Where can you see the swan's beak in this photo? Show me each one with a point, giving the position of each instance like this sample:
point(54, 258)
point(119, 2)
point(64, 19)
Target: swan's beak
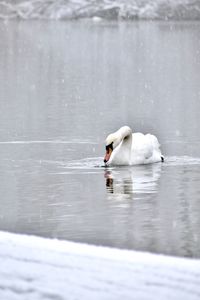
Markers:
point(108, 154)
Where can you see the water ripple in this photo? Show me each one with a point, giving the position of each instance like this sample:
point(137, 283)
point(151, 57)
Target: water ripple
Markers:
point(94, 162)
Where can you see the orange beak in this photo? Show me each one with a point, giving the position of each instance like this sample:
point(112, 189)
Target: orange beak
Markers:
point(108, 154)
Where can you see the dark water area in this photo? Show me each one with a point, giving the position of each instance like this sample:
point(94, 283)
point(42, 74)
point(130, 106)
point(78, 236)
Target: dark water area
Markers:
point(63, 87)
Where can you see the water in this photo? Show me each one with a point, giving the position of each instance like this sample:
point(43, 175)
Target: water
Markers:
point(64, 87)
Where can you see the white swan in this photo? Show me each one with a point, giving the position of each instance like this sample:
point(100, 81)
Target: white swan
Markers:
point(126, 148)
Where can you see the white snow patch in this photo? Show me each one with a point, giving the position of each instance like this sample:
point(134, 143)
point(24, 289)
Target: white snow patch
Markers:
point(38, 268)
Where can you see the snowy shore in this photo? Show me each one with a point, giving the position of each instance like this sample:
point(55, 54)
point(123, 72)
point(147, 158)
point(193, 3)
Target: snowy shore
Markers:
point(106, 9)
point(38, 268)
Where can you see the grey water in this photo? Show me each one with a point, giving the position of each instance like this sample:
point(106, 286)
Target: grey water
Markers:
point(63, 87)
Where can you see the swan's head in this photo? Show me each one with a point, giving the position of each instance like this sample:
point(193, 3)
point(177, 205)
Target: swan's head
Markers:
point(114, 139)
point(110, 145)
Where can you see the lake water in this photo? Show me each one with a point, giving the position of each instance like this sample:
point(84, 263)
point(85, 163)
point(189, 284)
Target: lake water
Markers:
point(63, 87)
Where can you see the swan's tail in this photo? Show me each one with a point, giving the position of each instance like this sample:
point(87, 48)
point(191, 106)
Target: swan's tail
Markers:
point(156, 152)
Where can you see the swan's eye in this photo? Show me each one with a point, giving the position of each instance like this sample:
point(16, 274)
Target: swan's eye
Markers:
point(108, 147)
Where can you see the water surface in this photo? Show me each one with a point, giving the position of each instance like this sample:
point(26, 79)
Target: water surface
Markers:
point(64, 87)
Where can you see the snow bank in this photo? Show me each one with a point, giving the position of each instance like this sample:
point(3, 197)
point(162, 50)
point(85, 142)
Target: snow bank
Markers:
point(108, 9)
point(38, 268)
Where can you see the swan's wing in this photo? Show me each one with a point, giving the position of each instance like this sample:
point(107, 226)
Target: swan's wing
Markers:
point(153, 142)
point(141, 145)
point(145, 148)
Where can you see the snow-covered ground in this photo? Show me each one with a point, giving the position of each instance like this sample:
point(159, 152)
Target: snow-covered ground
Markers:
point(38, 268)
point(108, 9)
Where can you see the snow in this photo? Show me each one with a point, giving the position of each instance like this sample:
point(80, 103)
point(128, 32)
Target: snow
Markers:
point(38, 268)
point(97, 10)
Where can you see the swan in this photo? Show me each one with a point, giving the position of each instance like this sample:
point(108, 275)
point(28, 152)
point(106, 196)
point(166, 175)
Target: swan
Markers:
point(126, 148)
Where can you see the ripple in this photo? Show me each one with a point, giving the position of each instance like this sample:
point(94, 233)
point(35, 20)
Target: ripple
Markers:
point(75, 141)
point(86, 163)
point(181, 160)
point(97, 162)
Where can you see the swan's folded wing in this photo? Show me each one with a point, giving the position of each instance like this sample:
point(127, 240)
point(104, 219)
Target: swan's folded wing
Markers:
point(145, 148)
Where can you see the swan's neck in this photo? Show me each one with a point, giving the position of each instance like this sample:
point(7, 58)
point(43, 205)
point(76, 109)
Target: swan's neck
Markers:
point(122, 153)
point(125, 150)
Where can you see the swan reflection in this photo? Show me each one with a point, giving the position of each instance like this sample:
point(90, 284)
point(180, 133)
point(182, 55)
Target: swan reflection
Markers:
point(135, 180)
